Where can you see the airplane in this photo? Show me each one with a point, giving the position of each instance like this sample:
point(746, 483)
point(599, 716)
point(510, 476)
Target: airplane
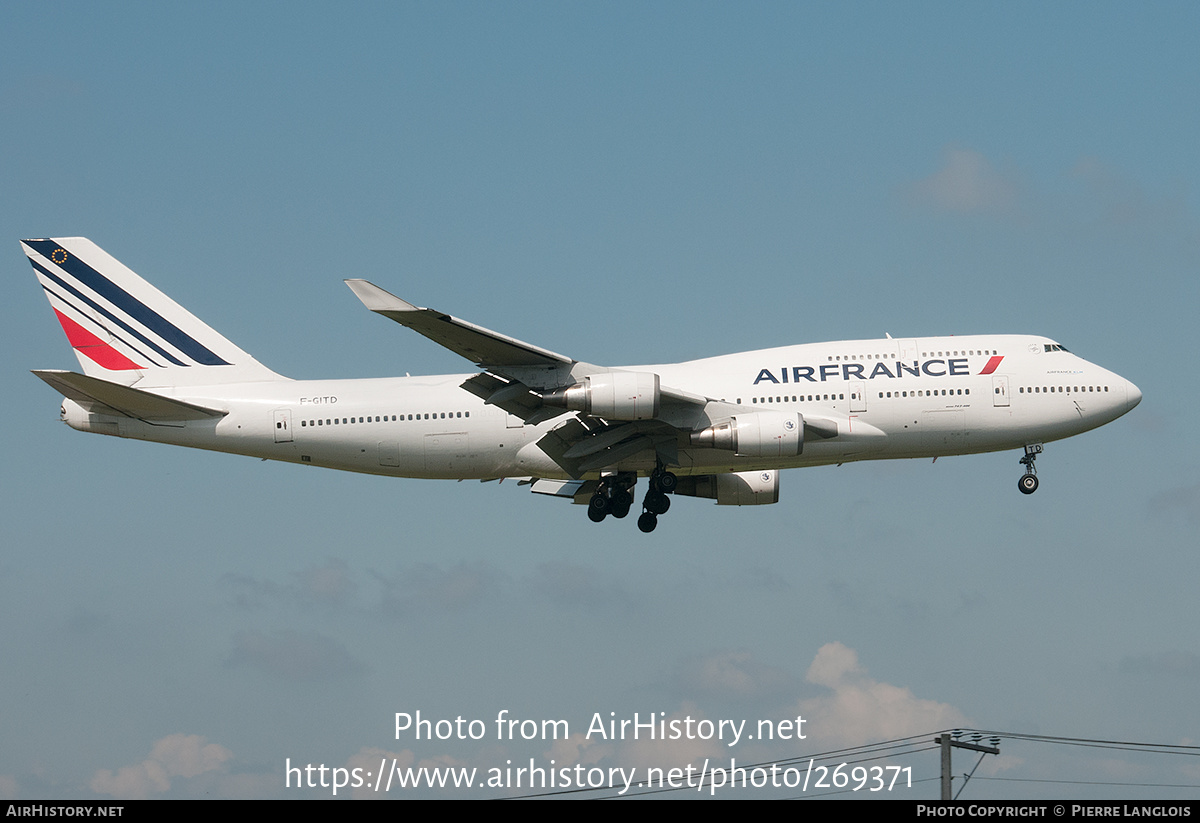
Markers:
point(720, 428)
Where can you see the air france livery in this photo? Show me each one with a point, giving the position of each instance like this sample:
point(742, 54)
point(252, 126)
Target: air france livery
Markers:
point(721, 428)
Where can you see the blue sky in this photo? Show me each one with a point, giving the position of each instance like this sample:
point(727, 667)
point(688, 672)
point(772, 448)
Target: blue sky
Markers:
point(623, 183)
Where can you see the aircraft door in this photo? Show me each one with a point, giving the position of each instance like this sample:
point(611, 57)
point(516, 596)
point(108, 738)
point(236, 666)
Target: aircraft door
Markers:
point(858, 396)
point(1000, 390)
point(283, 425)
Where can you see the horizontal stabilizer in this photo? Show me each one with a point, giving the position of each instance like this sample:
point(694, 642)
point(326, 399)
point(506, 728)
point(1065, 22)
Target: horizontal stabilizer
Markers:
point(142, 405)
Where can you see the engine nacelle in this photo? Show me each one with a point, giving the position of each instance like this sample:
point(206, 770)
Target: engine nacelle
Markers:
point(748, 488)
point(614, 396)
point(758, 434)
point(737, 489)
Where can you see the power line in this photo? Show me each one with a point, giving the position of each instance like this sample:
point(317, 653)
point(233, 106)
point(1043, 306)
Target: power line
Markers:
point(917, 744)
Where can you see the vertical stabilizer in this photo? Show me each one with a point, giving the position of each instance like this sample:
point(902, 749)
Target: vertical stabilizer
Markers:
point(126, 331)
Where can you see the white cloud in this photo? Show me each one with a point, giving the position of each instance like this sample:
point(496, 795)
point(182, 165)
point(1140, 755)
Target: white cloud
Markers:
point(860, 710)
point(855, 710)
point(176, 755)
point(967, 182)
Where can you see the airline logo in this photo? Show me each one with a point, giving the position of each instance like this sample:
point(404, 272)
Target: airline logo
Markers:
point(106, 323)
point(84, 342)
point(953, 367)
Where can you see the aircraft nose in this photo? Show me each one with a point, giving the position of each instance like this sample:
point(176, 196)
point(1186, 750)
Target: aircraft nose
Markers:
point(1133, 395)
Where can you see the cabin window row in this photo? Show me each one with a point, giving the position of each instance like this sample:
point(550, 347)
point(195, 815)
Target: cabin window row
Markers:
point(1061, 389)
point(926, 393)
point(338, 421)
point(892, 356)
point(812, 398)
point(963, 353)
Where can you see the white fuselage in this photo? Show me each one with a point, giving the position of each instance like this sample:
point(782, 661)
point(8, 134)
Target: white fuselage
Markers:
point(889, 398)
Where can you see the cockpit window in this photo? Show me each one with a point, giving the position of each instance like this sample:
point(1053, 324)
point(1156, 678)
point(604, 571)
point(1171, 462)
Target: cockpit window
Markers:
point(1055, 347)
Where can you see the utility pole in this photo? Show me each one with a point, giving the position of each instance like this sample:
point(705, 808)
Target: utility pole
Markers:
point(947, 743)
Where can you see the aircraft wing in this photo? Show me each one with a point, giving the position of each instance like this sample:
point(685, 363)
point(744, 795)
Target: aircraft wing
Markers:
point(528, 382)
point(486, 349)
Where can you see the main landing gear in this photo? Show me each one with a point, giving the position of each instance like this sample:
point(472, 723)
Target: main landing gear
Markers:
point(1028, 483)
point(662, 483)
point(614, 497)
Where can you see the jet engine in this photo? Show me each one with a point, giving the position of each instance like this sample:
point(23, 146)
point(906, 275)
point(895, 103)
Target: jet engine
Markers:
point(614, 396)
point(758, 434)
point(736, 489)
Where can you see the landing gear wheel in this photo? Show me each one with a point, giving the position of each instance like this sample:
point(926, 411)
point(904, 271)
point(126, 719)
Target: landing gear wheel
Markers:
point(595, 516)
point(620, 510)
point(657, 503)
point(1028, 483)
point(599, 504)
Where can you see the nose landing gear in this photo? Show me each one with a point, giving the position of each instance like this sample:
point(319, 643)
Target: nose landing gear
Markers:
point(1028, 483)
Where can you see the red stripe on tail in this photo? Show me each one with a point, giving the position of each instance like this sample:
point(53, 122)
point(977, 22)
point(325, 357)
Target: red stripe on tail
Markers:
point(86, 343)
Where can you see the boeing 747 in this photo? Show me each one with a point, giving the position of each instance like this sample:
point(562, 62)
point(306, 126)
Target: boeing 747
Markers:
point(720, 428)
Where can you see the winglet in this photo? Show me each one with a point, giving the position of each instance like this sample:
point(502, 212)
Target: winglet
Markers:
point(377, 299)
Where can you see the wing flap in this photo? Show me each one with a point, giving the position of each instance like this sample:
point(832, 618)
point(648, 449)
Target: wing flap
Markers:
point(559, 488)
point(513, 397)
